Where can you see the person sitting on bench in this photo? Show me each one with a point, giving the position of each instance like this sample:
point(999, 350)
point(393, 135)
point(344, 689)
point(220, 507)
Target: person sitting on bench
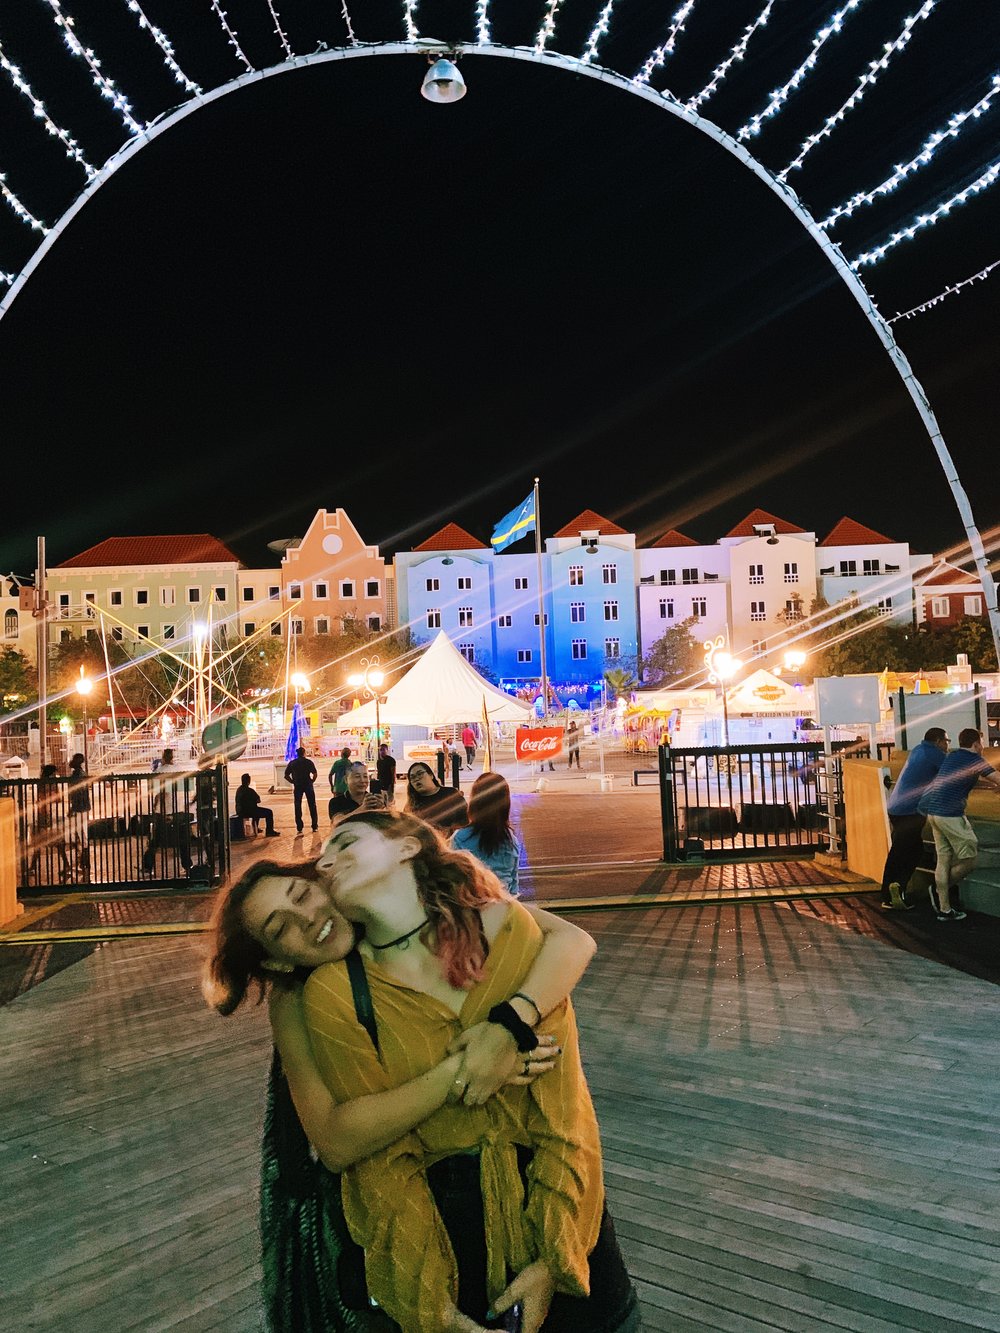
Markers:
point(248, 806)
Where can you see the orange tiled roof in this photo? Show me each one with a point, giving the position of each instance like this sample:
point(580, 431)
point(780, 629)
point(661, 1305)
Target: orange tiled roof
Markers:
point(944, 575)
point(745, 528)
point(198, 548)
point(588, 521)
point(849, 533)
point(451, 538)
point(674, 538)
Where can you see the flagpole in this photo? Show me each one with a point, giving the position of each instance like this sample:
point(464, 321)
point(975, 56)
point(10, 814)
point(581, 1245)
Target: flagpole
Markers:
point(541, 606)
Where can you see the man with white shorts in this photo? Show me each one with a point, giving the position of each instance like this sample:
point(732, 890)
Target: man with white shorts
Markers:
point(944, 805)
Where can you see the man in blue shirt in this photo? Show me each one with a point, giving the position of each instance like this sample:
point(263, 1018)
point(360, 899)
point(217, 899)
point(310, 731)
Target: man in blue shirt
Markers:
point(905, 820)
point(944, 805)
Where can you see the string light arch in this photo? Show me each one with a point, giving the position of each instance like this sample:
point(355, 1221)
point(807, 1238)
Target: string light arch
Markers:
point(586, 65)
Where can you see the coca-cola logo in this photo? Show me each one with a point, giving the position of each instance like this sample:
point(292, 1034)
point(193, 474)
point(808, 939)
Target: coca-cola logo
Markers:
point(538, 743)
point(545, 745)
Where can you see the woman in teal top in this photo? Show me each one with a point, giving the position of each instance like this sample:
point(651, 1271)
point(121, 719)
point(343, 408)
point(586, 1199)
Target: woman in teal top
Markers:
point(488, 836)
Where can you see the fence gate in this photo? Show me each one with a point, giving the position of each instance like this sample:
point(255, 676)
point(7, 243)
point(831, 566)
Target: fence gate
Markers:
point(726, 802)
point(130, 830)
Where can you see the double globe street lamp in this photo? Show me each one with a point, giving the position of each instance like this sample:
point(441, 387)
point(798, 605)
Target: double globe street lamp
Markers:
point(722, 667)
point(369, 679)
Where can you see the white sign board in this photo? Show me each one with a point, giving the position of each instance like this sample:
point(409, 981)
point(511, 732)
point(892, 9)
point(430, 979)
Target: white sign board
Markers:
point(847, 701)
point(915, 713)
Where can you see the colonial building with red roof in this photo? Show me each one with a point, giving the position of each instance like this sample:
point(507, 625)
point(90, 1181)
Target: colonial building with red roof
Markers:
point(944, 594)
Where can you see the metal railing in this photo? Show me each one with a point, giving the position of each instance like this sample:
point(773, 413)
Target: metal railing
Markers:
point(131, 830)
point(724, 802)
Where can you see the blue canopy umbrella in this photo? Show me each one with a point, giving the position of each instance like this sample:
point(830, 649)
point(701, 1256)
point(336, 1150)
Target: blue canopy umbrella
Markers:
point(297, 732)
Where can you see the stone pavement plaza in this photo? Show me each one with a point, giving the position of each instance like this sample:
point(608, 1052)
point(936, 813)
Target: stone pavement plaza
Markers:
point(797, 1100)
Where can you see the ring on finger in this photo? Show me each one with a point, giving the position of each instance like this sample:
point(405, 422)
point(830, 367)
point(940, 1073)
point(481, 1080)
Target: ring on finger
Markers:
point(527, 1064)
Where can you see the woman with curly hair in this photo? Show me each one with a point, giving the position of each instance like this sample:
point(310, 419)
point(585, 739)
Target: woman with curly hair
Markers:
point(313, 1273)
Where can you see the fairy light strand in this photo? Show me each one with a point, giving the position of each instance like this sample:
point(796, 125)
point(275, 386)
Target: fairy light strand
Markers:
point(929, 148)
point(279, 31)
point(548, 28)
point(66, 23)
point(948, 291)
point(17, 207)
point(231, 37)
point(781, 95)
point(345, 15)
point(659, 56)
point(599, 30)
point(870, 77)
point(977, 186)
point(167, 50)
point(72, 148)
point(482, 22)
point(410, 20)
point(734, 57)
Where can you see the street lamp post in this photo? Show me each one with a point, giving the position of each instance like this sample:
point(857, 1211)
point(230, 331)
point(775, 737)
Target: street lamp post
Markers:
point(368, 679)
point(300, 683)
point(83, 687)
point(795, 660)
point(722, 666)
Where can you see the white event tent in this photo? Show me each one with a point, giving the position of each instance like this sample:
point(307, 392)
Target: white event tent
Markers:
point(440, 689)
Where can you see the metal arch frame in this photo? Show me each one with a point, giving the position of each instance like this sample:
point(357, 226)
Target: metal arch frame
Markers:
point(666, 102)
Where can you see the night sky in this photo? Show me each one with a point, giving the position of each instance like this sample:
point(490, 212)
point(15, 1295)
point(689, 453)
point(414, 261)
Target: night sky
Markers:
point(324, 291)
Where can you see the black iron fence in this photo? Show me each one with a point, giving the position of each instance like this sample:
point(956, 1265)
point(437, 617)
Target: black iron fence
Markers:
point(726, 802)
point(132, 830)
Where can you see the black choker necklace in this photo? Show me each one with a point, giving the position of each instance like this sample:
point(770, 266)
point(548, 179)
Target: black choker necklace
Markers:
point(402, 940)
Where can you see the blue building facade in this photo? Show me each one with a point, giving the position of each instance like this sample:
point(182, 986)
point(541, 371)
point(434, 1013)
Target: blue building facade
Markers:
point(489, 605)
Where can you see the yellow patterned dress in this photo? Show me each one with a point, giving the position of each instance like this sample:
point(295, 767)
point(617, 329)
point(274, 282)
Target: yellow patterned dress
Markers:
point(388, 1204)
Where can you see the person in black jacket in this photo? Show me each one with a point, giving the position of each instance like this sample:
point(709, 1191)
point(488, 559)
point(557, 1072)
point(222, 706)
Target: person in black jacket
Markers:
point(248, 806)
point(301, 773)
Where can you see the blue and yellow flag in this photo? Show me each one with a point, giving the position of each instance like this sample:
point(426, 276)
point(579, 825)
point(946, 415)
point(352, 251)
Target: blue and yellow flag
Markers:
point(518, 523)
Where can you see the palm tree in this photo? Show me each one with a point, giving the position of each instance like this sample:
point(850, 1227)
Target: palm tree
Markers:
point(620, 680)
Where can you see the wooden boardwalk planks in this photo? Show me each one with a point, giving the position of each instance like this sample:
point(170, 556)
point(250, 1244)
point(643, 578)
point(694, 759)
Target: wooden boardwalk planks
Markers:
point(798, 1125)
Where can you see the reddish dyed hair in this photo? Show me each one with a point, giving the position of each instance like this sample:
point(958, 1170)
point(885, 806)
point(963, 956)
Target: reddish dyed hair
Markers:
point(451, 885)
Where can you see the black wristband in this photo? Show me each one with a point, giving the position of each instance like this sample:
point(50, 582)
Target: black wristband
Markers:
point(507, 1016)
